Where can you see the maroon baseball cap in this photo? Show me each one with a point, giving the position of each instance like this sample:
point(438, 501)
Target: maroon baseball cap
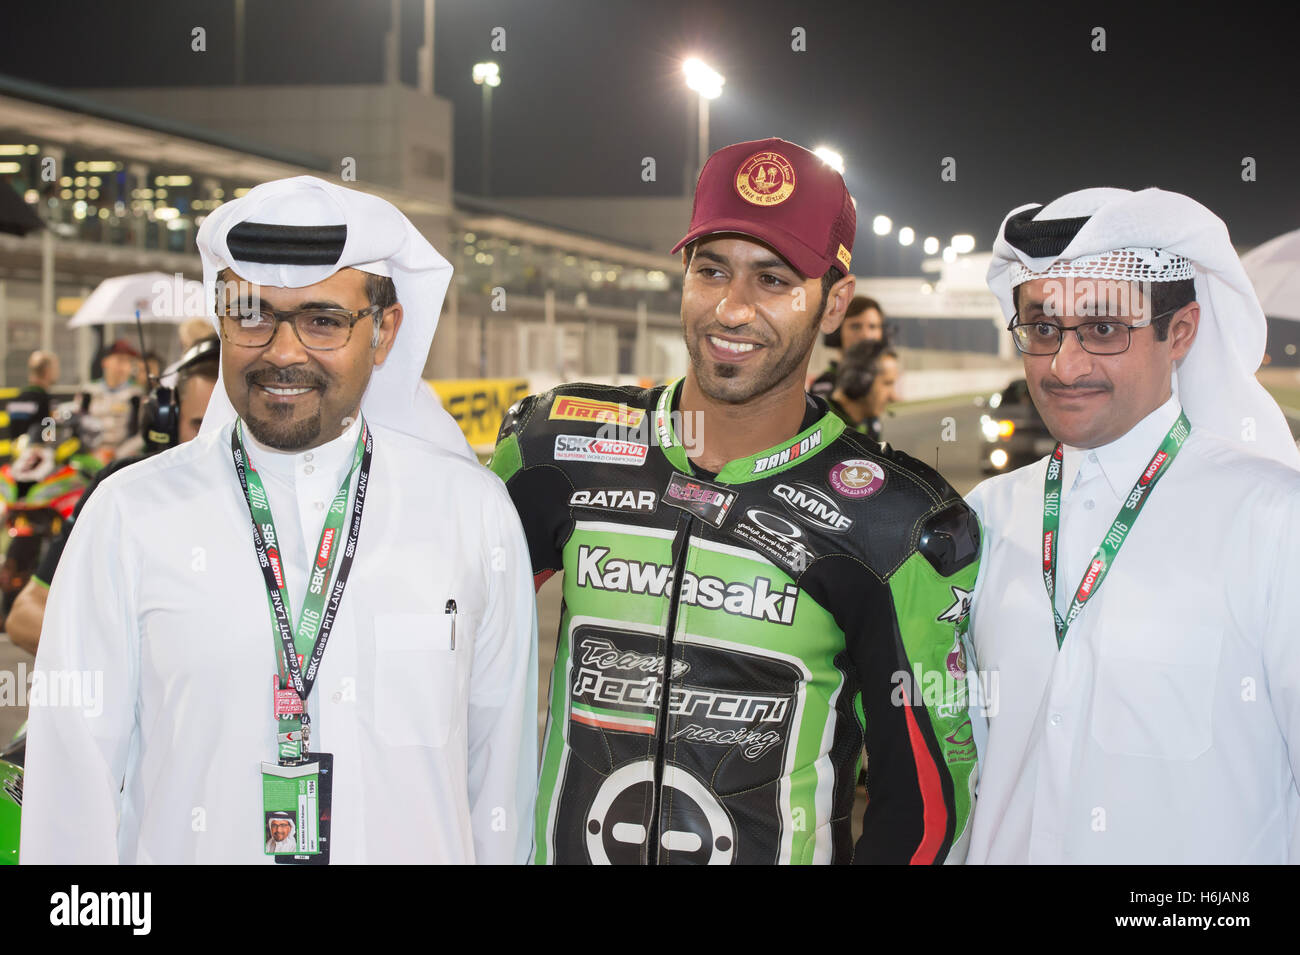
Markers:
point(122, 347)
point(780, 194)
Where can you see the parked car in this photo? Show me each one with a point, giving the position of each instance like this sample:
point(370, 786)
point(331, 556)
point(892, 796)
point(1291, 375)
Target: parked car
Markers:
point(1014, 433)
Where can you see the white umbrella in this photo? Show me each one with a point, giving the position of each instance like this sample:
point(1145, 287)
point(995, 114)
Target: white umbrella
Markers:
point(1274, 268)
point(158, 297)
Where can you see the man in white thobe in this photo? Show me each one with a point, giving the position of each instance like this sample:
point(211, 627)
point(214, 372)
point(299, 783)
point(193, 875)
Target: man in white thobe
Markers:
point(282, 839)
point(1150, 712)
point(425, 696)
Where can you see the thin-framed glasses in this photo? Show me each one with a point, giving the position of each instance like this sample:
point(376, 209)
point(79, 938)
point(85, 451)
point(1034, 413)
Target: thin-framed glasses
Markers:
point(320, 329)
point(1096, 337)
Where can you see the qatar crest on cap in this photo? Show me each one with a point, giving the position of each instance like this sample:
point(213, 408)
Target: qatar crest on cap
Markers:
point(765, 179)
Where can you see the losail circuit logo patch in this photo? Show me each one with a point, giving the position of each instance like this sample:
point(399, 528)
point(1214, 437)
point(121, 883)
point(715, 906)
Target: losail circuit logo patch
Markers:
point(856, 478)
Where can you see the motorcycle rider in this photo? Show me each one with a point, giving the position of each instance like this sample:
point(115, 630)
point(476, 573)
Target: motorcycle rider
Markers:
point(721, 523)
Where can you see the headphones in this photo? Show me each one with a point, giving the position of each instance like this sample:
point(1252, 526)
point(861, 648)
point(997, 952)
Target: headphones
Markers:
point(859, 368)
point(160, 416)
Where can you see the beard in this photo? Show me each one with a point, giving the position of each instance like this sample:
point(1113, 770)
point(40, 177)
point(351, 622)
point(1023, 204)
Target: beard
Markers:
point(294, 435)
point(731, 384)
point(280, 429)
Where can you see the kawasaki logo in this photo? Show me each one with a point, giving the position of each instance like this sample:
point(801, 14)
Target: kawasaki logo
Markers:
point(758, 602)
point(814, 505)
point(786, 455)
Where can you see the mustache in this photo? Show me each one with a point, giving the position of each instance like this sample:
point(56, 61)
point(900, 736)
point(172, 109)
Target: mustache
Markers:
point(1061, 388)
point(284, 378)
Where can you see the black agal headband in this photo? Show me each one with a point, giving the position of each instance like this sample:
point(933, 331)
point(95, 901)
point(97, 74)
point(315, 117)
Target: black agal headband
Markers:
point(1041, 237)
point(286, 244)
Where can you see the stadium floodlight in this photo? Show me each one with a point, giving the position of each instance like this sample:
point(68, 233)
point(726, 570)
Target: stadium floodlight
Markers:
point(882, 225)
point(963, 243)
point(906, 235)
point(931, 245)
point(702, 78)
point(831, 158)
point(487, 74)
point(950, 254)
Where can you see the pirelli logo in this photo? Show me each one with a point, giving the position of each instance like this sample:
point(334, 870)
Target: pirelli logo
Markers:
point(585, 409)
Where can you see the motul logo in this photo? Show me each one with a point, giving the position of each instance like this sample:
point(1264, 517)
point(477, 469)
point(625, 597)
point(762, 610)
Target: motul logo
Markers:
point(274, 556)
point(1156, 464)
point(326, 545)
point(1090, 578)
point(1047, 548)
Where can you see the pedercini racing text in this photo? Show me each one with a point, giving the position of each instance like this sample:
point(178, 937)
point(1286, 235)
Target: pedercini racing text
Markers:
point(758, 602)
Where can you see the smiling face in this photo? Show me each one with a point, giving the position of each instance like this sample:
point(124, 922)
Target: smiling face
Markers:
point(750, 320)
point(292, 397)
point(280, 829)
point(1091, 400)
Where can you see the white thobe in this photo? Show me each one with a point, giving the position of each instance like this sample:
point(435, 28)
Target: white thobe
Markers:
point(1159, 732)
point(159, 591)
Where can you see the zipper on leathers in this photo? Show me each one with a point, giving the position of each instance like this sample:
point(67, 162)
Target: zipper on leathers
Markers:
point(661, 724)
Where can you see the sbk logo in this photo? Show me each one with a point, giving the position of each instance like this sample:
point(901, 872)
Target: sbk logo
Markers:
point(813, 505)
point(572, 447)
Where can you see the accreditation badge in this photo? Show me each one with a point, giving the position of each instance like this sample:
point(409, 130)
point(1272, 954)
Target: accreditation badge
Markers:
point(296, 810)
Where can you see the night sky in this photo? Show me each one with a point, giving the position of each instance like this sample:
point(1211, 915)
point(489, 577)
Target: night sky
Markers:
point(589, 87)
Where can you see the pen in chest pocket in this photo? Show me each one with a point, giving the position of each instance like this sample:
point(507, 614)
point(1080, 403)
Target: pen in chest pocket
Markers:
point(451, 610)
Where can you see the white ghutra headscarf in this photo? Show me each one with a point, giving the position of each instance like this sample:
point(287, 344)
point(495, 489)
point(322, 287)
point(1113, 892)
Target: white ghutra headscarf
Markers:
point(291, 233)
point(1160, 236)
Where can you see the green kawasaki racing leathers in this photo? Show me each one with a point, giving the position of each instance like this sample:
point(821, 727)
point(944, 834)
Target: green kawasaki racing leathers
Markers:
point(809, 599)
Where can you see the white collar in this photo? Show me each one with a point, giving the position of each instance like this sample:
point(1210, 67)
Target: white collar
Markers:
point(331, 459)
point(1124, 459)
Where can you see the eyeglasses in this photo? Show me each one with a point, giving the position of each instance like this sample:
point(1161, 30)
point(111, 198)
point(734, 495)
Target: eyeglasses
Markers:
point(1096, 338)
point(320, 329)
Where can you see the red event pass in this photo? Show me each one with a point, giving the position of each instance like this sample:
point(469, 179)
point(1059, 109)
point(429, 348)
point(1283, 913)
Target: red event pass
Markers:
point(286, 701)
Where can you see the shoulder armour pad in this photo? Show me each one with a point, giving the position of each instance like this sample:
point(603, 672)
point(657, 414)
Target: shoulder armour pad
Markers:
point(951, 539)
point(514, 414)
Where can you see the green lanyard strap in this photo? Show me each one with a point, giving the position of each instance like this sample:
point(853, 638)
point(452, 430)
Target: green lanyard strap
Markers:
point(292, 685)
point(1119, 527)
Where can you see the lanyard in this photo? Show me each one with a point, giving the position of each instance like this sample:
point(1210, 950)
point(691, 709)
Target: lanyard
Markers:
point(292, 685)
point(1119, 528)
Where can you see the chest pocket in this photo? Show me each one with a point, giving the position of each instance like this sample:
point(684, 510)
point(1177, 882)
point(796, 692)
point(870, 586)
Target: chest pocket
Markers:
point(419, 689)
point(1156, 678)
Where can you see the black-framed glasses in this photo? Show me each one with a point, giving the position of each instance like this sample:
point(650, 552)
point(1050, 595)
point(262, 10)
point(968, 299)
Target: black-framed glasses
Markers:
point(320, 329)
point(1097, 337)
